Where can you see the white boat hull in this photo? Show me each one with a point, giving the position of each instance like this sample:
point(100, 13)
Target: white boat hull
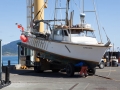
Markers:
point(91, 53)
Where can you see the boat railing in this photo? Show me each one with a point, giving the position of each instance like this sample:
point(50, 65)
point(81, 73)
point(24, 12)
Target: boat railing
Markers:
point(37, 43)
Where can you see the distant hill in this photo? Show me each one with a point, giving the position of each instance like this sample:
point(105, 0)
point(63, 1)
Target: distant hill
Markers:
point(10, 48)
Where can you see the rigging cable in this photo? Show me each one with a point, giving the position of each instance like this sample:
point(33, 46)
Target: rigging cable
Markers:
point(40, 11)
point(106, 34)
point(60, 11)
point(97, 21)
point(55, 13)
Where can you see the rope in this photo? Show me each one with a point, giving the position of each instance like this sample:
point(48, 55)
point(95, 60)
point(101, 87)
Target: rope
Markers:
point(39, 11)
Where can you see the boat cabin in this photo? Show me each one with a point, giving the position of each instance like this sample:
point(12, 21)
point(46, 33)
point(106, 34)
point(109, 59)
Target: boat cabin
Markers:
point(74, 35)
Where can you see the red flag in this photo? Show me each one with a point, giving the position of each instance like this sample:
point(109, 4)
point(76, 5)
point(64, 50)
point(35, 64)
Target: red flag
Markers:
point(19, 26)
point(22, 28)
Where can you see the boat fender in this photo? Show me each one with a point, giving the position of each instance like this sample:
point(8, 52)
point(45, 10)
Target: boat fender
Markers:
point(23, 38)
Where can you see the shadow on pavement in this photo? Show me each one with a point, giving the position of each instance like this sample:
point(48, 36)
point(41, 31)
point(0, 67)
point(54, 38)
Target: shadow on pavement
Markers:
point(47, 73)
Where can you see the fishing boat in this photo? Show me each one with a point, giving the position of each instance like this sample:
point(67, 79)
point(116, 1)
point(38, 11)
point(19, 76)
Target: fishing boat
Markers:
point(66, 44)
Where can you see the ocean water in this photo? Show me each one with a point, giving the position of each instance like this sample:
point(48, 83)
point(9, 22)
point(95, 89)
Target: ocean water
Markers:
point(13, 60)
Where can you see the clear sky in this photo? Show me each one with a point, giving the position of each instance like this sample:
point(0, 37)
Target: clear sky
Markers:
point(14, 11)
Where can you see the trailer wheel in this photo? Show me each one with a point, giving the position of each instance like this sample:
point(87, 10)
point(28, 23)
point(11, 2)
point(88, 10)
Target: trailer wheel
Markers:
point(101, 65)
point(70, 70)
point(91, 71)
point(37, 67)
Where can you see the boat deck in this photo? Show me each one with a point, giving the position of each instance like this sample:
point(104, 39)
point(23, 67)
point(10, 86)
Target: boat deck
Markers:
point(105, 79)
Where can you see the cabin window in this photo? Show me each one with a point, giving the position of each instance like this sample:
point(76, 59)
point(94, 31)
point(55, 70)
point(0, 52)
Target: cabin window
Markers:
point(58, 32)
point(75, 31)
point(82, 33)
point(65, 33)
point(90, 34)
point(22, 50)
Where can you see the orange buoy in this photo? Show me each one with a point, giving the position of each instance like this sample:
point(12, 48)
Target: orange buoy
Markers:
point(23, 38)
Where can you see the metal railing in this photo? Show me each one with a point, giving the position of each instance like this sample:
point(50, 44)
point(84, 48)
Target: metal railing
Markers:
point(38, 43)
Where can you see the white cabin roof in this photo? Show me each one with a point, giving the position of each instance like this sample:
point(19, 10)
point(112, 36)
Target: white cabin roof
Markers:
point(79, 27)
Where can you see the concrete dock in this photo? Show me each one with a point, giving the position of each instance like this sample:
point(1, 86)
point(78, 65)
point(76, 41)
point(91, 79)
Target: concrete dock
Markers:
point(104, 79)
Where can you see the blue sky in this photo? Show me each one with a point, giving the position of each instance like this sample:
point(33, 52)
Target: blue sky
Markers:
point(12, 11)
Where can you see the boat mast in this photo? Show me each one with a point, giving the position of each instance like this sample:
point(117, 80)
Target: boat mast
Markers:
point(38, 5)
point(82, 15)
point(67, 8)
point(55, 14)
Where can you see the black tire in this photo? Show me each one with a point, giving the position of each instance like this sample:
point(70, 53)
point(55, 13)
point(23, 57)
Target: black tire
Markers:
point(117, 65)
point(70, 70)
point(55, 70)
point(114, 64)
point(101, 65)
point(37, 67)
point(91, 71)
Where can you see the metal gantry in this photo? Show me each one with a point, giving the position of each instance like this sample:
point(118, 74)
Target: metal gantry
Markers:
point(30, 12)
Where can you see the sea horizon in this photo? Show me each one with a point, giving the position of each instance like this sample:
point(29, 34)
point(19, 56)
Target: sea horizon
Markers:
point(8, 55)
point(13, 60)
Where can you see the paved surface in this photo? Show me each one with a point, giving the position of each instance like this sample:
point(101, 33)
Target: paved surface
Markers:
point(105, 79)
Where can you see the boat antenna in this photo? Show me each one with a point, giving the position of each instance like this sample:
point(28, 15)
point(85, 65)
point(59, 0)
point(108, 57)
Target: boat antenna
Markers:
point(68, 3)
point(82, 15)
point(83, 6)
